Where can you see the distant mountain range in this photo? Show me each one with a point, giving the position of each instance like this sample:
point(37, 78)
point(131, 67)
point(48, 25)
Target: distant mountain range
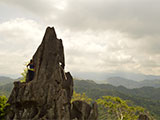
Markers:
point(100, 76)
point(6, 89)
point(5, 80)
point(6, 85)
point(144, 92)
point(119, 81)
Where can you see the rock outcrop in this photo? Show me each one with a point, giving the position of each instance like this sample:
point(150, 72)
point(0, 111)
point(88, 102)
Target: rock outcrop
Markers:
point(80, 110)
point(48, 95)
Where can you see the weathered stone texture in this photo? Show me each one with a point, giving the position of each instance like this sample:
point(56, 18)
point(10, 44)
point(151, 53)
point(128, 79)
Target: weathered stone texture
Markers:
point(48, 95)
point(44, 97)
point(80, 110)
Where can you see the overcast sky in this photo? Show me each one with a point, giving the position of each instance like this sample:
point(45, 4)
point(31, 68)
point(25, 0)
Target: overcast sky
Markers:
point(99, 36)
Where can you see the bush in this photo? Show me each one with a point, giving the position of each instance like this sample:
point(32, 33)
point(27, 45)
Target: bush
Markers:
point(3, 105)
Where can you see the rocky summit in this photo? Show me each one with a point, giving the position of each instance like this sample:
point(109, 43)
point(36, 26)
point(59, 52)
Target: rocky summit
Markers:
point(48, 95)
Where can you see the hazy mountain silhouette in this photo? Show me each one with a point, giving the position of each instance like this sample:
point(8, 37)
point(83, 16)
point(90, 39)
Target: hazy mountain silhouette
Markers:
point(119, 81)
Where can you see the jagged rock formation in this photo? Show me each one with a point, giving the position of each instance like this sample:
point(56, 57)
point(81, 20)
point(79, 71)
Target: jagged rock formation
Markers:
point(45, 97)
point(48, 95)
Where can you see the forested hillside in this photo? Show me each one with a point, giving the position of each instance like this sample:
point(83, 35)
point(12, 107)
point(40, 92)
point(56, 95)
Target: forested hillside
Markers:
point(4, 80)
point(147, 97)
point(6, 89)
point(6, 85)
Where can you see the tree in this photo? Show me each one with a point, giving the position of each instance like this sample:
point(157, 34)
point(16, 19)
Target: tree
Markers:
point(24, 73)
point(3, 105)
point(114, 108)
point(83, 97)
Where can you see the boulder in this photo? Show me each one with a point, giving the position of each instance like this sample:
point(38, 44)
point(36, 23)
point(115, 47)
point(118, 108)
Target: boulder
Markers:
point(81, 110)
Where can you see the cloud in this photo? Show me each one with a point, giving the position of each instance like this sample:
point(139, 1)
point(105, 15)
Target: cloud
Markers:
point(137, 18)
point(88, 51)
point(39, 8)
point(19, 39)
point(99, 36)
point(110, 51)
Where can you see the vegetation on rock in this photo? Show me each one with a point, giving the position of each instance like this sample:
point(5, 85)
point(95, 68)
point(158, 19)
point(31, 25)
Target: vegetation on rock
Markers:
point(3, 105)
point(82, 97)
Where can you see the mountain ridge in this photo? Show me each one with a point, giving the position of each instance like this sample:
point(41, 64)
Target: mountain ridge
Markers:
point(147, 97)
point(5, 80)
point(128, 83)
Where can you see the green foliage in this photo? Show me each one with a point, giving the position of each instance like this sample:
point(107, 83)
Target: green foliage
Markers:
point(24, 74)
point(114, 108)
point(3, 105)
point(83, 97)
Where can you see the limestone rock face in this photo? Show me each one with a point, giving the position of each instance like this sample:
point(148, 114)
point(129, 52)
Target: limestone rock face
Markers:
point(80, 110)
point(48, 95)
